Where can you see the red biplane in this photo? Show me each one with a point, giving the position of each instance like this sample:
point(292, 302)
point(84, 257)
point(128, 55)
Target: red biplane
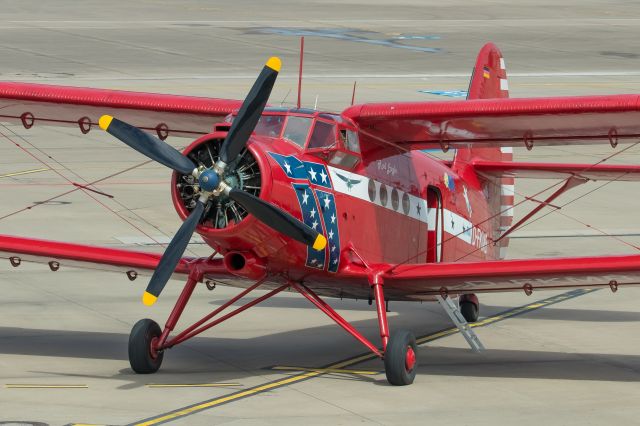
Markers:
point(340, 204)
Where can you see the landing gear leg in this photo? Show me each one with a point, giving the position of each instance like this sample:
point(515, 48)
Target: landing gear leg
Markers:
point(400, 351)
point(146, 340)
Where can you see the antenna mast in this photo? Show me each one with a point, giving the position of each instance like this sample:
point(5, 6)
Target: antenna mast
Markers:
point(300, 70)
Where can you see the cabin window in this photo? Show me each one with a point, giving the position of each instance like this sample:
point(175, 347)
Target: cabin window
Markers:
point(344, 159)
point(270, 125)
point(323, 136)
point(297, 130)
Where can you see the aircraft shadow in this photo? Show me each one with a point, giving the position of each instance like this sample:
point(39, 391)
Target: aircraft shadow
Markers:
point(214, 359)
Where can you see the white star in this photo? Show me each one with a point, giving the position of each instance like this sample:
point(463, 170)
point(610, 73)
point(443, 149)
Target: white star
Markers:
point(305, 197)
point(333, 218)
point(314, 261)
point(335, 261)
point(323, 175)
point(333, 248)
point(312, 173)
point(330, 234)
point(314, 225)
point(313, 212)
point(288, 167)
point(327, 202)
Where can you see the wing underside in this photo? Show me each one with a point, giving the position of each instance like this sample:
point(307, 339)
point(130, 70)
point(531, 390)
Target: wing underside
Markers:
point(39, 104)
point(424, 281)
point(501, 122)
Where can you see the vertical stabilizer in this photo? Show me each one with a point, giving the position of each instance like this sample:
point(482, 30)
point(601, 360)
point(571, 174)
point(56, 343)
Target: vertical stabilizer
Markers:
point(489, 81)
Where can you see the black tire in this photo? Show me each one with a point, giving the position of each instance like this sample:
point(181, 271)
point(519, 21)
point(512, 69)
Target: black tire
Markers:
point(140, 357)
point(470, 311)
point(395, 358)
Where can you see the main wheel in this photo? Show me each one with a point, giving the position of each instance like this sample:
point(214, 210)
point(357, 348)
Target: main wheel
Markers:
point(400, 358)
point(142, 357)
point(470, 311)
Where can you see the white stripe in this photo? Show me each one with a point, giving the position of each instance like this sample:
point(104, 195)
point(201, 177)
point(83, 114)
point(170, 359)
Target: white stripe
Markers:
point(502, 67)
point(507, 189)
point(506, 149)
point(357, 186)
point(454, 224)
point(503, 252)
point(506, 210)
point(504, 84)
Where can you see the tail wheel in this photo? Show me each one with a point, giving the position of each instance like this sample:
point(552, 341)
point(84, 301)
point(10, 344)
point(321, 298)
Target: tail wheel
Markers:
point(400, 358)
point(470, 311)
point(144, 359)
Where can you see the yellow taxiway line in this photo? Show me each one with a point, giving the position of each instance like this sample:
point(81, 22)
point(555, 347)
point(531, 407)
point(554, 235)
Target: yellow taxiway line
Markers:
point(191, 385)
point(325, 370)
point(205, 405)
point(24, 172)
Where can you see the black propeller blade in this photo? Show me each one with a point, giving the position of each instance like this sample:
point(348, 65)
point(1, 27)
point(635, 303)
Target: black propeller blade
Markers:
point(147, 144)
point(250, 111)
point(172, 256)
point(278, 219)
point(211, 180)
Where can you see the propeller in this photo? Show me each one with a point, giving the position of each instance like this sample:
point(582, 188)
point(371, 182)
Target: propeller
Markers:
point(211, 180)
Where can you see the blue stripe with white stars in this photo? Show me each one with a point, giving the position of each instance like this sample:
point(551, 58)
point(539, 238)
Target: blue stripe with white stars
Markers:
point(311, 217)
point(330, 217)
point(315, 173)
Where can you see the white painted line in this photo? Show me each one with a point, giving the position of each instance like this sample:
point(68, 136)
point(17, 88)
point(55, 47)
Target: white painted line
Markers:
point(507, 189)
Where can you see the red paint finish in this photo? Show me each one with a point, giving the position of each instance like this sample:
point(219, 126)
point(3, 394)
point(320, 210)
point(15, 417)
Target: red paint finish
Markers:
point(373, 232)
point(410, 359)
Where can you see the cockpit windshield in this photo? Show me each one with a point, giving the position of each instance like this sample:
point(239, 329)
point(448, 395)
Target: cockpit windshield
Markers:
point(270, 125)
point(297, 129)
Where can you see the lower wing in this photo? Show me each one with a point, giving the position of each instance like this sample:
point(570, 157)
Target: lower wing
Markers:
point(425, 281)
point(59, 254)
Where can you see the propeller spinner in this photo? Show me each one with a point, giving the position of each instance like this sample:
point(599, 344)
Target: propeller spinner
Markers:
point(211, 180)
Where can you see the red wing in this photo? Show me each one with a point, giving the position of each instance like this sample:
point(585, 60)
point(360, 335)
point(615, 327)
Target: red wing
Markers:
point(92, 257)
point(42, 104)
point(501, 122)
point(426, 280)
point(557, 170)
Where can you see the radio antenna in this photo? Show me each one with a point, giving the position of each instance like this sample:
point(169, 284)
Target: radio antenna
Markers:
point(353, 94)
point(300, 70)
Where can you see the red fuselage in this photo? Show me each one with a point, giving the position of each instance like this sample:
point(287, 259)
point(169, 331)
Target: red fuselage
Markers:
point(374, 204)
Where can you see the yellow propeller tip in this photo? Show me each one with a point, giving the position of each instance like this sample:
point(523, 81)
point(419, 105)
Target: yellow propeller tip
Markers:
point(274, 63)
point(320, 243)
point(148, 299)
point(104, 121)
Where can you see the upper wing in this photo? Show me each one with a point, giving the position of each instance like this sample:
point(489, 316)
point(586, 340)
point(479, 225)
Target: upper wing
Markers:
point(501, 122)
point(42, 104)
point(423, 281)
point(59, 254)
point(624, 173)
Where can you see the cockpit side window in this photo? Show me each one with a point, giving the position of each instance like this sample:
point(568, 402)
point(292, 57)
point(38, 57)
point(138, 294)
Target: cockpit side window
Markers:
point(350, 139)
point(324, 135)
point(297, 129)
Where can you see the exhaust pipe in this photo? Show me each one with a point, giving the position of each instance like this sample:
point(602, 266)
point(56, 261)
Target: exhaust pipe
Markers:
point(245, 265)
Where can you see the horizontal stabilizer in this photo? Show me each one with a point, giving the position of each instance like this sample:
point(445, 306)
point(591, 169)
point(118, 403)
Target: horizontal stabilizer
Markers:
point(605, 172)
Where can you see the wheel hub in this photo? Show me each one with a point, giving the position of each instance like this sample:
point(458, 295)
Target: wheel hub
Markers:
point(410, 359)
